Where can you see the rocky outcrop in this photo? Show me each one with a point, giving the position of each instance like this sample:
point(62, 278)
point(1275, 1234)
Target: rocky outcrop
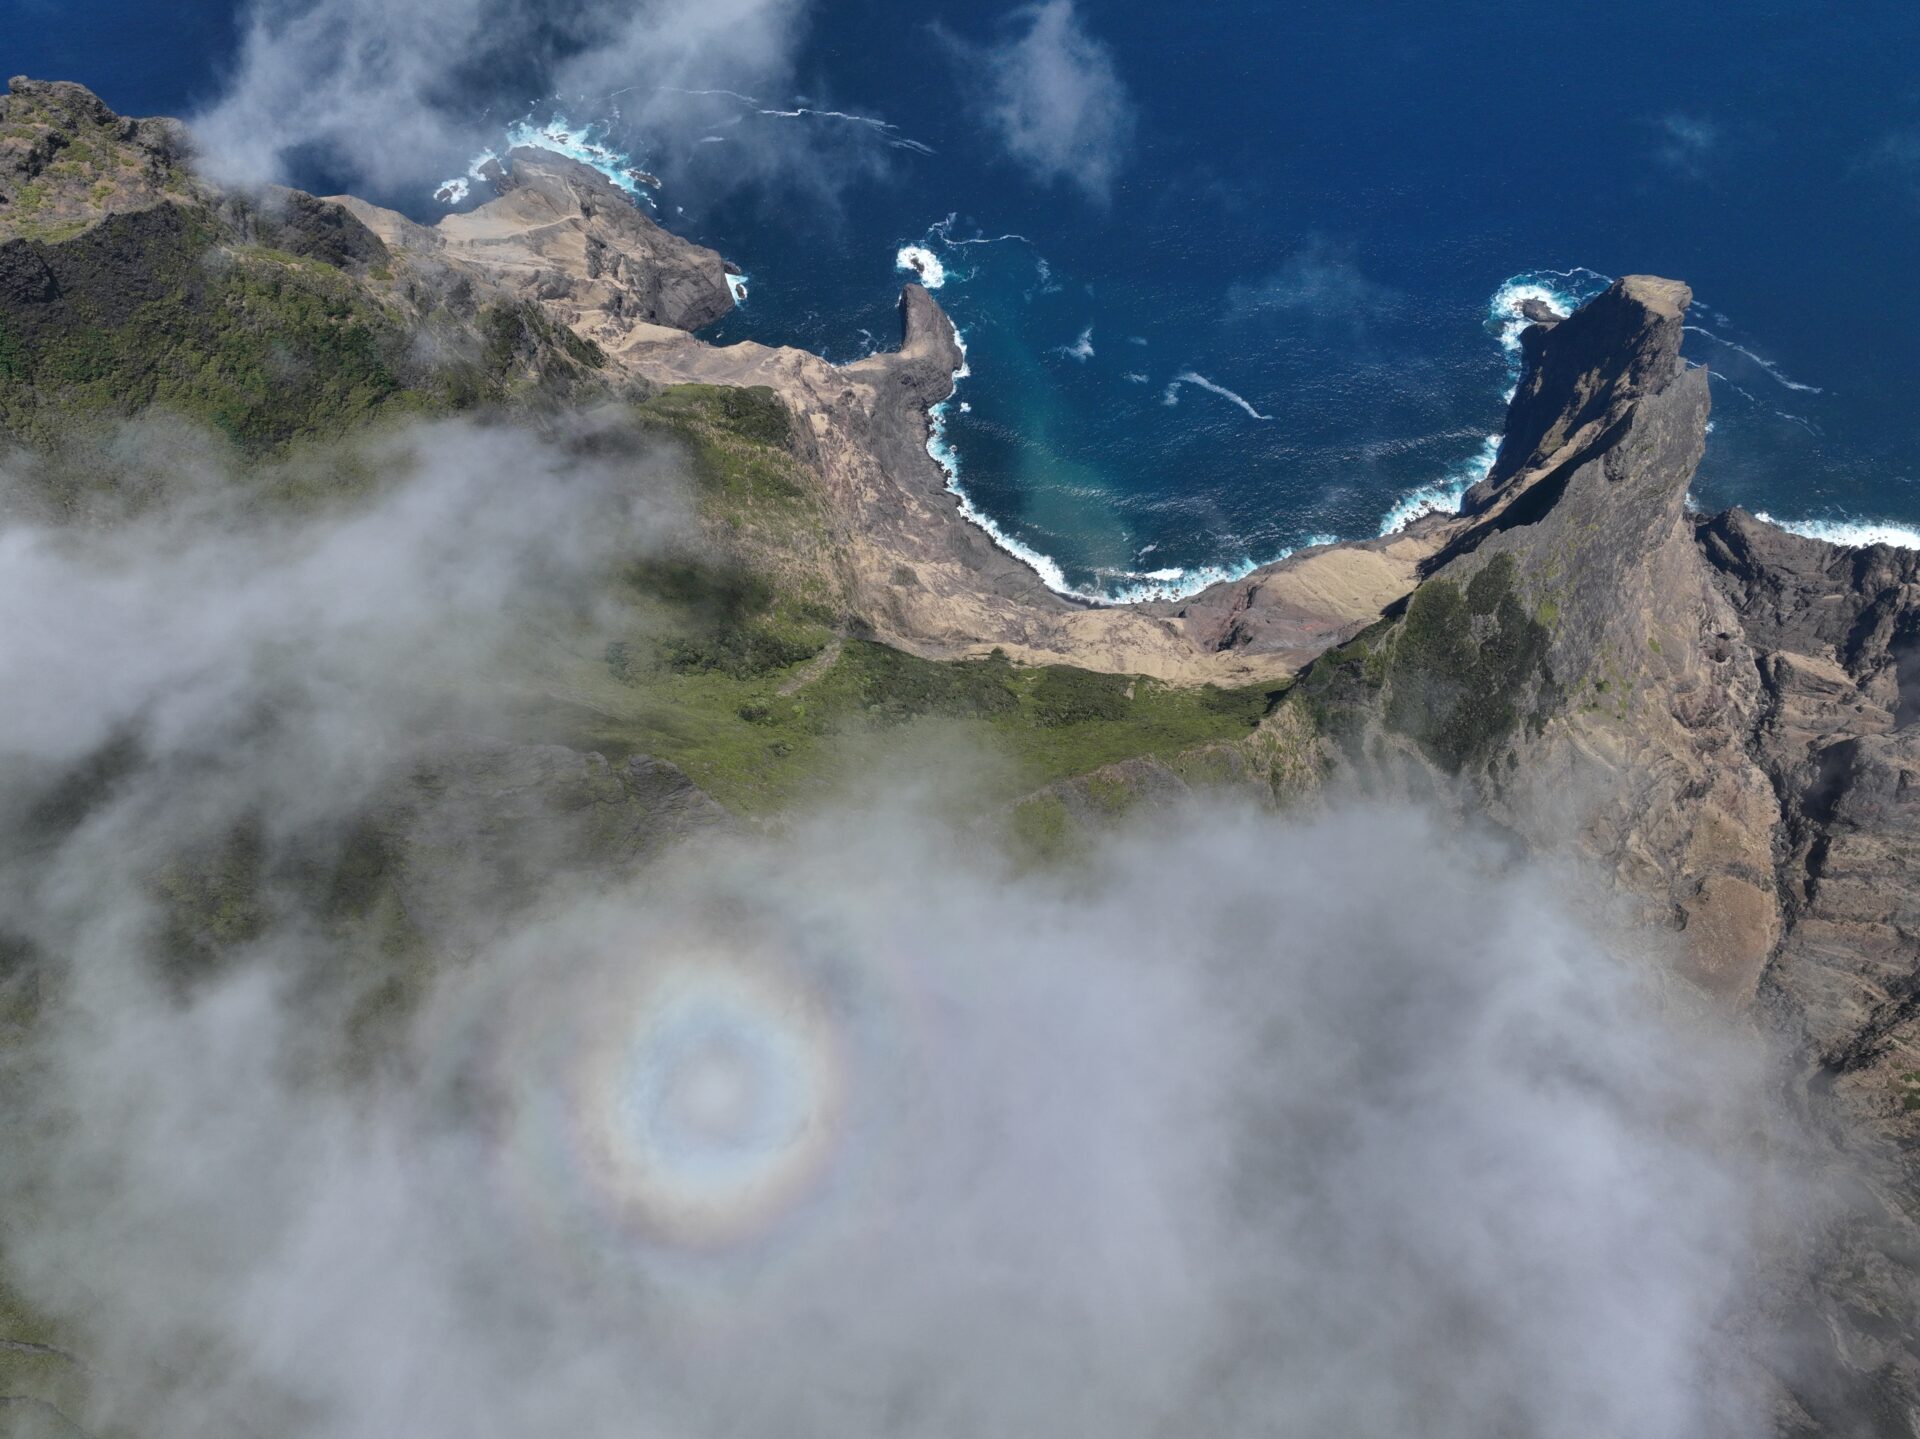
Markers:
point(561, 234)
point(1579, 379)
point(1719, 716)
point(1722, 717)
point(66, 160)
point(129, 284)
point(1720, 713)
point(1567, 668)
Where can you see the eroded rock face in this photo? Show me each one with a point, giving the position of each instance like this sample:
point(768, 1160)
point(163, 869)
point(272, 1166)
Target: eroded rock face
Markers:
point(66, 159)
point(561, 234)
point(1566, 667)
point(1719, 715)
point(1582, 375)
point(1722, 716)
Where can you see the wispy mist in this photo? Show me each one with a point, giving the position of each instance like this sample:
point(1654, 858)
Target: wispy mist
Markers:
point(388, 100)
point(1332, 1125)
point(1051, 93)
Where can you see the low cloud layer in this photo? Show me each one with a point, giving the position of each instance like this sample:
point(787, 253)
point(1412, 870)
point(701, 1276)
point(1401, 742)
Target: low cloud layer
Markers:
point(1340, 1124)
point(220, 595)
point(1109, 1158)
point(1052, 94)
point(392, 98)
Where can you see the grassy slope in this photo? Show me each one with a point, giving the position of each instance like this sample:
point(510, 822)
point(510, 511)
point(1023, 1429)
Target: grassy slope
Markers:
point(738, 676)
point(158, 309)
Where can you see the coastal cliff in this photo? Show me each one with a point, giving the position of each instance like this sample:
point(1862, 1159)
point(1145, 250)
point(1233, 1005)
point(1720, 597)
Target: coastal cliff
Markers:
point(1717, 716)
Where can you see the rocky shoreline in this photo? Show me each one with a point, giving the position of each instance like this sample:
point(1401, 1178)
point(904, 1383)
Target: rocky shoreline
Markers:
point(1718, 716)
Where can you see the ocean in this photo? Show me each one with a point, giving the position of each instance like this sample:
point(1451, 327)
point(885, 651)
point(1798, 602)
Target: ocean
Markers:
point(1290, 316)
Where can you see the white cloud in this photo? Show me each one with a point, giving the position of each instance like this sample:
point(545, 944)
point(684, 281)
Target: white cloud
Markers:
point(1370, 1138)
point(392, 98)
point(1053, 96)
point(1332, 1125)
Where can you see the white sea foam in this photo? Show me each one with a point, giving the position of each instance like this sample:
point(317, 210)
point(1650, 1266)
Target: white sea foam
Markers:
point(1163, 584)
point(1442, 496)
point(1562, 292)
point(944, 229)
point(889, 131)
point(1772, 370)
point(452, 192)
point(1081, 349)
point(945, 456)
point(1127, 587)
point(1171, 395)
point(1132, 587)
point(1849, 532)
point(1134, 377)
point(920, 261)
point(580, 143)
point(557, 136)
point(730, 94)
point(1758, 403)
point(1506, 310)
point(737, 287)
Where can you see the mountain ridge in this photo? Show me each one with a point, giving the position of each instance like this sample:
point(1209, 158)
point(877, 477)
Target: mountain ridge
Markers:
point(1718, 716)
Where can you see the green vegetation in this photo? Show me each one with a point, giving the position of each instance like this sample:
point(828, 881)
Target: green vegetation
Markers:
point(733, 669)
point(755, 495)
point(1041, 830)
point(40, 1379)
point(1064, 696)
point(1462, 665)
point(211, 903)
point(758, 748)
point(1340, 688)
point(152, 310)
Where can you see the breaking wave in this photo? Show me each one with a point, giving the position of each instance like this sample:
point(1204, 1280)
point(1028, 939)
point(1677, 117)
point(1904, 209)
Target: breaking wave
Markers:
point(1129, 587)
point(1562, 292)
point(1854, 533)
point(1134, 587)
point(1442, 496)
point(558, 136)
point(948, 459)
point(923, 263)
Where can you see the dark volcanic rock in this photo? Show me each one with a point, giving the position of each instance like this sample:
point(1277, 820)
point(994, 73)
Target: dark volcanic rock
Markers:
point(1721, 715)
point(1585, 372)
point(314, 229)
point(1566, 668)
point(1539, 312)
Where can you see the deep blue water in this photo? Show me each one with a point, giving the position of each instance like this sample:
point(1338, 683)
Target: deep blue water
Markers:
point(1320, 207)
